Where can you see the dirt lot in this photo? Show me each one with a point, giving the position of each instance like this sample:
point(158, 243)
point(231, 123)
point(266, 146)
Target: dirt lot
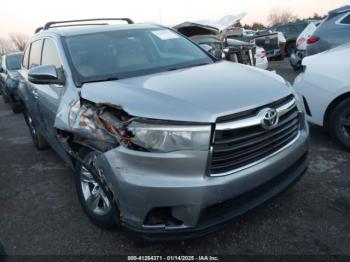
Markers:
point(40, 213)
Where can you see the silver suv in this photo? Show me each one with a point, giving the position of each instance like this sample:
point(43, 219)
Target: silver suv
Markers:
point(164, 139)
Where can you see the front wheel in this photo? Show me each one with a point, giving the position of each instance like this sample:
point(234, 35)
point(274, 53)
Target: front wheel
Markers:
point(97, 206)
point(339, 123)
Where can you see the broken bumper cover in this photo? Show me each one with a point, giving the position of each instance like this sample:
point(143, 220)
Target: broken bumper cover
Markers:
point(179, 181)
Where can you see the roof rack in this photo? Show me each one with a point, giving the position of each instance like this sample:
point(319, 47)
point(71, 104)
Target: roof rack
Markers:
point(50, 24)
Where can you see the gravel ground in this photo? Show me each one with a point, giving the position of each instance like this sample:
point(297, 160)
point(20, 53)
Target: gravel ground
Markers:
point(40, 213)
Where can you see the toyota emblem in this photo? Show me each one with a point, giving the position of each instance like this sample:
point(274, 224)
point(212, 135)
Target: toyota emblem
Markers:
point(269, 118)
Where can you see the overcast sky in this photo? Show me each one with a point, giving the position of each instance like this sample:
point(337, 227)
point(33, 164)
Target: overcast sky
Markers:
point(23, 16)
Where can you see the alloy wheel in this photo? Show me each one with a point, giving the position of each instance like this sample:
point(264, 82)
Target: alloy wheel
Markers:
point(94, 196)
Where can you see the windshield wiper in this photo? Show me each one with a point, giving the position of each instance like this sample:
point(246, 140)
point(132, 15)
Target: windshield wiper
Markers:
point(102, 79)
point(188, 66)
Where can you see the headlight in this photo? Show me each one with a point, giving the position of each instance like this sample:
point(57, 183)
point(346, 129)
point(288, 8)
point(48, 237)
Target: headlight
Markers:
point(168, 138)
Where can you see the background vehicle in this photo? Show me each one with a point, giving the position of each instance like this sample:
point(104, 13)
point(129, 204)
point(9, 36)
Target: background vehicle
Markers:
point(332, 32)
point(249, 32)
point(273, 43)
point(290, 31)
point(236, 51)
point(9, 79)
point(240, 52)
point(301, 44)
point(325, 88)
point(133, 109)
point(203, 35)
point(261, 58)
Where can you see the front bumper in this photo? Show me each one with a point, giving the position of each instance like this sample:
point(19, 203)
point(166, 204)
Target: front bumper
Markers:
point(142, 182)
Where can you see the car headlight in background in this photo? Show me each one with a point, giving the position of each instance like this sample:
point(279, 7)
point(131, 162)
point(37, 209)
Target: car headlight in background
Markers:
point(168, 138)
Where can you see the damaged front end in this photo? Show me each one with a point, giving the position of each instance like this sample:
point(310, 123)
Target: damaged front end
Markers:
point(99, 127)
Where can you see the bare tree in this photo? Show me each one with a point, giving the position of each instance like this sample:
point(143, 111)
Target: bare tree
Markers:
point(5, 46)
point(281, 16)
point(19, 41)
point(258, 26)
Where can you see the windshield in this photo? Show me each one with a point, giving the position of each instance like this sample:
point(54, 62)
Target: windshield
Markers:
point(127, 53)
point(13, 62)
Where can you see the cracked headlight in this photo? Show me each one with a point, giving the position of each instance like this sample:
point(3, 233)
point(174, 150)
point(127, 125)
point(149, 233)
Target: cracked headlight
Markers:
point(168, 138)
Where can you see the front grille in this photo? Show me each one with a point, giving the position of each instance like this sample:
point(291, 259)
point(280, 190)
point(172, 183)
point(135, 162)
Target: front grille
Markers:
point(237, 148)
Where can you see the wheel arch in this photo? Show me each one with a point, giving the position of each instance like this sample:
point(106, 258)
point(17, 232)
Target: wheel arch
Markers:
point(332, 105)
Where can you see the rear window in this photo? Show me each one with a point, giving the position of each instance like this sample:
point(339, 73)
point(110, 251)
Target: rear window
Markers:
point(13, 62)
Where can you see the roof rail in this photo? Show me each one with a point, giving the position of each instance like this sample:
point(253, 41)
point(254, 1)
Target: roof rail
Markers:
point(50, 24)
point(38, 30)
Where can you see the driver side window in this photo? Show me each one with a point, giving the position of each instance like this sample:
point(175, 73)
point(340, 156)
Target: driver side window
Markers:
point(50, 55)
point(35, 53)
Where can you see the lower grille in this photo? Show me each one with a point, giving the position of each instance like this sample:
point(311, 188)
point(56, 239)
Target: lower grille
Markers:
point(237, 148)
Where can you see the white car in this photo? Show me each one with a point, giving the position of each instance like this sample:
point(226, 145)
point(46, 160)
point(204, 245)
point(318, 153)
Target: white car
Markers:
point(325, 88)
point(261, 58)
point(301, 43)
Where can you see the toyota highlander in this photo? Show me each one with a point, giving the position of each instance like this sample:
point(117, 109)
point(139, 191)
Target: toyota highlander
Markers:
point(165, 140)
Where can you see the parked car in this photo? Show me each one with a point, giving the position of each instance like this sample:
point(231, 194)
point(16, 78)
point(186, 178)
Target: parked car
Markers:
point(9, 79)
point(208, 36)
point(249, 32)
point(325, 88)
point(300, 51)
point(203, 35)
point(240, 52)
point(261, 58)
point(290, 31)
point(164, 140)
point(332, 32)
point(273, 43)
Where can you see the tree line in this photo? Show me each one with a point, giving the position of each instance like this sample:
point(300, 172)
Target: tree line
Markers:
point(277, 17)
point(15, 42)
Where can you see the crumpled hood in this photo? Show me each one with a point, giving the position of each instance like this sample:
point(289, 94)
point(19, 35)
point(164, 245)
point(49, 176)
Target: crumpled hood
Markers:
point(197, 94)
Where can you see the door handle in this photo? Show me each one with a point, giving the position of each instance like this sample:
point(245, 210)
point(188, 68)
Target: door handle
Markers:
point(35, 94)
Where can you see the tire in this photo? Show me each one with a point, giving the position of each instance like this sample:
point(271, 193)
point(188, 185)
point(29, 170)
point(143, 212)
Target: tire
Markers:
point(339, 123)
point(16, 106)
point(96, 205)
point(290, 49)
point(38, 140)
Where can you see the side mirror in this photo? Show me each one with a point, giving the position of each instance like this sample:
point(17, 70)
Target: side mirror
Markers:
point(46, 74)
